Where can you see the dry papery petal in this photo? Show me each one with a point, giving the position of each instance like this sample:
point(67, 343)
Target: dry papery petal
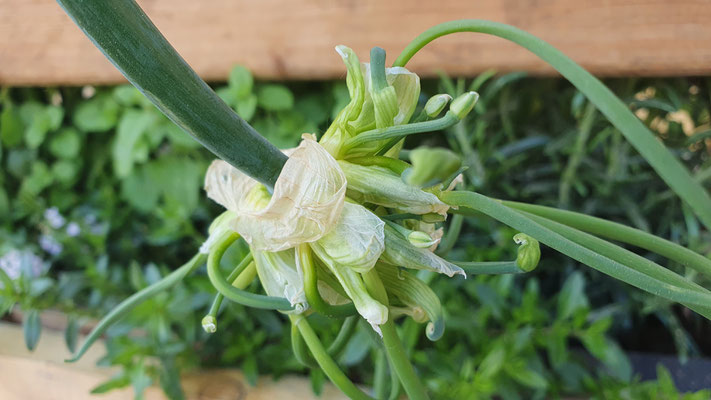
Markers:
point(307, 200)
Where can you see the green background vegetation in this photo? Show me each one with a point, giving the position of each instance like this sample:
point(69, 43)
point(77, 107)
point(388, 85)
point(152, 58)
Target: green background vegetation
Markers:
point(130, 181)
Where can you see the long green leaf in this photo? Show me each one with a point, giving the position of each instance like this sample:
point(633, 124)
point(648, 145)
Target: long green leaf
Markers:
point(128, 38)
point(561, 243)
point(666, 165)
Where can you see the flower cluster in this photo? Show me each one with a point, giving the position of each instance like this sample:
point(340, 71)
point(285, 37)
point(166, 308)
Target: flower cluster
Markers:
point(349, 201)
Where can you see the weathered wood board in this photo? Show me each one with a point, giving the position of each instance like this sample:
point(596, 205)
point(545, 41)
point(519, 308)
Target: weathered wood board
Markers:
point(282, 39)
point(43, 375)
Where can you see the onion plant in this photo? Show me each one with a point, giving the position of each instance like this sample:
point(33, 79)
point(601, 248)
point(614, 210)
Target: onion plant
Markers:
point(341, 226)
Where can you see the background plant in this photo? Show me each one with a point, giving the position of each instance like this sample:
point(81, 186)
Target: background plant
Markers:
point(524, 142)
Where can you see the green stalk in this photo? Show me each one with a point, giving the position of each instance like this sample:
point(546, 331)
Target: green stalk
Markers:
point(217, 301)
point(237, 295)
point(489, 267)
point(392, 344)
point(324, 360)
point(574, 160)
point(621, 233)
point(666, 165)
point(137, 298)
point(304, 257)
point(398, 132)
point(561, 243)
point(628, 258)
point(128, 38)
point(344, 335)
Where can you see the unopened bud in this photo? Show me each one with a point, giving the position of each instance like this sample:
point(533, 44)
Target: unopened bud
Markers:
point(209, 324)
point(431, 165)
point(421, 239)
point(436, 104)
point(462, 105)
point(529, 252)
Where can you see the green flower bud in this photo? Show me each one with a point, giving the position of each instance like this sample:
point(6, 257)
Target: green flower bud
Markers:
point(436, 104)
point(431, 166)
point(529, 252)
point(209, 324)
point(415, 294)
point(462, 105)
point(377, 185)
point(398, 251)
point(421, 239)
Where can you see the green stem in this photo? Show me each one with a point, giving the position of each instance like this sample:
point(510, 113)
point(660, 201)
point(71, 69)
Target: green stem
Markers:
point(128, 38)
point(392, 164)
point(237, 295)
point(626, 257)
point(622, 233)
point(450, 238)
point(305, 258)
point(559, 242)
point(489, 267)
point(392, 344)
point(324, 360)
point(666, 165)
point(301, 352)
point(381, 373)
point(137, 298)
point(574, 160)
point(398, 132)
point(344, 335)
point(217, 301)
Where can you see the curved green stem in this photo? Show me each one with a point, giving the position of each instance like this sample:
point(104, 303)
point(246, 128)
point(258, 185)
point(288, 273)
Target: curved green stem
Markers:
point(239, 296)
point(344, 335)
point(128, 38)
point(559, 242)
point(626, 257)
point(392, 344)
point(667, 166)
point(304, 257)
point(398, 132)
point(619, 232)
point(217, 301)
point(301, 352)
point(135, 299)
point(329, 367)
point(450, 238)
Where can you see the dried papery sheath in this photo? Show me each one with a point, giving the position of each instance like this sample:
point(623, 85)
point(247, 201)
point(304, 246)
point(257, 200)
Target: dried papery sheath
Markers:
point(377, 185)
point(279, 277)
point(357, 240)
point(307, 200)
point(415, 294)
point(399, 252)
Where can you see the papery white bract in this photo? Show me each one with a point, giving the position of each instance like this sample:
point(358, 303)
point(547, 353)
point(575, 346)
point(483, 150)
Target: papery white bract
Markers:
point(279, 277)
point(307, 201)
point(356, 241)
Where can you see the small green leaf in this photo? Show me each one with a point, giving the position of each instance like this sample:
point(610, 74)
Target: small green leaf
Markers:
point(317, 378)
point(71, 334)
point(249, 368)
point(492, 363)
point(11, 126)
point(116, 382)
point(32, 327)
point(131, 127)
point(241, 81)
point(98, 114)
point(40, 177)
point(275, 98)
point(247, 107)
point(572, 295)
point(65, 144)
point(65, 171)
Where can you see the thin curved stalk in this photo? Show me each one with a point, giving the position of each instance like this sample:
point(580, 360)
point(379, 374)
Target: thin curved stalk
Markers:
point(559, 242)
point(398, 132)
point(392, 344)
point(301, 352)
point(329, 367)
point(489, 267)
point(128, 38)
point(621, 233)
point(450, 238)
point(217, 301)
point(237, 295)
point(137, 298)
point(344, 335)
point(667, 166)
point(304, 257)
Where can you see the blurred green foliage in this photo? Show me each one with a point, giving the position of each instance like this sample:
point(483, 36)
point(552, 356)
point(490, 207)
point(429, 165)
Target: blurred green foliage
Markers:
point(100, 196)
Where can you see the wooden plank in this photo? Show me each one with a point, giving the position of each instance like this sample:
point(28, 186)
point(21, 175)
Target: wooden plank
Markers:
point(42, 374)
point(282, 39)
